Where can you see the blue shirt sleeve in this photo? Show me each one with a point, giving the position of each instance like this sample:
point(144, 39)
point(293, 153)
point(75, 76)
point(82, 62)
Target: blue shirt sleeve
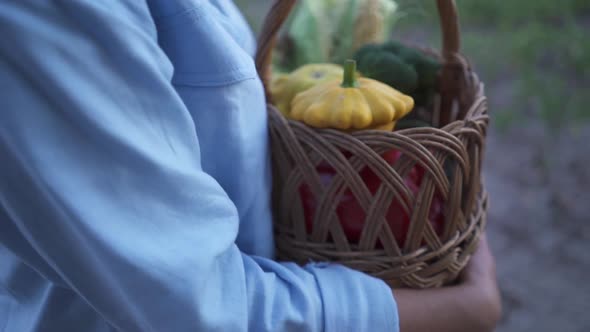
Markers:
point(103, 188)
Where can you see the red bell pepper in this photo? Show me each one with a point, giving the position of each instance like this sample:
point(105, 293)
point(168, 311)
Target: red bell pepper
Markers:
point(352, 216)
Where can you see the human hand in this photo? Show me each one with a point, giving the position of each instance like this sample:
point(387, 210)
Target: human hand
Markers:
point(473, 305)
point(479, 277)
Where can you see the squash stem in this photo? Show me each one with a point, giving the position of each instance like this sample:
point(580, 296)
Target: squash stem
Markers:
point(349, 74)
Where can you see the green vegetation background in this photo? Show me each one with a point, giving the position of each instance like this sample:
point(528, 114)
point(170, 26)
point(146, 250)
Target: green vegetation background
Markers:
point(533, 55)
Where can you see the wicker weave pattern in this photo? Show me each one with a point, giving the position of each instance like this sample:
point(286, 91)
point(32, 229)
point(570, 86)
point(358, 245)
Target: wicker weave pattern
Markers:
point(426, 259)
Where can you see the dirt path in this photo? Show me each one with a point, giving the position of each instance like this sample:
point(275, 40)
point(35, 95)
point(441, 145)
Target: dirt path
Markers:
point(539, 227)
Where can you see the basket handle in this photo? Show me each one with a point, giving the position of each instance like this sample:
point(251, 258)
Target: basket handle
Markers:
point(280, 9)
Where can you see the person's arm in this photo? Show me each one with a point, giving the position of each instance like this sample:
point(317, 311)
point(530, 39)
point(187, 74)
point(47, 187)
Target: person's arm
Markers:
point(472, 306)
point(103, 191)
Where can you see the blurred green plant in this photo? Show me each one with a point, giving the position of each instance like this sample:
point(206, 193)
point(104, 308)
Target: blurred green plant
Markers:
point(534, 54)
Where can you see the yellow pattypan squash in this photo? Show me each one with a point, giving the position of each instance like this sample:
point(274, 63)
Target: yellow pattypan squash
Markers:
point(284, 88)
point(351, 104)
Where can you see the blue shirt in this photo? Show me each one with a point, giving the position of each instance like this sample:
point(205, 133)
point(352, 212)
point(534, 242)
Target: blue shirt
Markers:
point(135, 182)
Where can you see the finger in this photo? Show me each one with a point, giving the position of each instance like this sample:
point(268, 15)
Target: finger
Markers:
point(481, 264)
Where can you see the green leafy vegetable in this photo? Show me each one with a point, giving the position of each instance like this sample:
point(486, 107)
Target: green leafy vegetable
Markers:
point(323, 31)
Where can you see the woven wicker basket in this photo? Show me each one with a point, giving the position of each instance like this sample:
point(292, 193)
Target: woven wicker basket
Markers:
point(427, 258)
